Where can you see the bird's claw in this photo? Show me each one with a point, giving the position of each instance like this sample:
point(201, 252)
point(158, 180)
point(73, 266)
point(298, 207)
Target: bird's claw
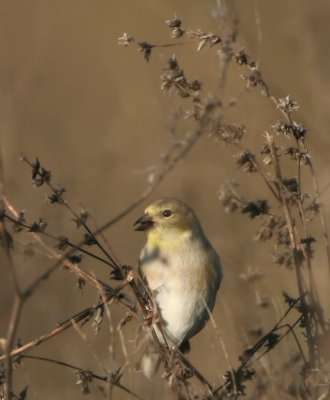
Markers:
point(179, 371)
point(150, 318)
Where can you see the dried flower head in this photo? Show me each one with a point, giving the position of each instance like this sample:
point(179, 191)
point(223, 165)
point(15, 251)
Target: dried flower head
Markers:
point(146, 48)
point(299, 131)
point(125, 39)
point(195, 85)
point(39, 226)
point(256, 208)
point(63, 243)
point(229, 198)
point(291, 184)
point(204, 38)
point(246, 161)
point(56, 197)
point(287, 105)
point(253, 79)
point(282, 234)
point(174, 22)
point(75, 258)
point(307, 242)
point(229, 133)
point(314, 208)
point(84, 378)
point(177, 33)
point(282, 128)
point(241, 57)
point(267, 229)
point(283, 258)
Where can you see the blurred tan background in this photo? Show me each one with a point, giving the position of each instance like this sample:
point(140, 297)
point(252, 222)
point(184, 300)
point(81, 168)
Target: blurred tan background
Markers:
point(94, 114)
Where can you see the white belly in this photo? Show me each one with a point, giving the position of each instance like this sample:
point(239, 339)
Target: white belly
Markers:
point(183, 313)
point(184, 282)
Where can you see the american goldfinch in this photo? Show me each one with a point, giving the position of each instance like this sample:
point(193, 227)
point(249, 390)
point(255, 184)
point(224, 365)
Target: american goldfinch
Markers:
point(181, 270)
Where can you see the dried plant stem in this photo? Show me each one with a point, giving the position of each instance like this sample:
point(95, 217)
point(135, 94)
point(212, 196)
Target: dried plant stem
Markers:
point(11, 334)
point(321, 214)
point(196, 373)
point(62, 259)
point(14, 317)
point(251, 357)
point(64, 203)
point(18, 296)
point(168, 167)
point(286, 209)
point(57, 239)
point(301, 144)
point(146, 306)
point(111, 346)
point(157, 330)
point(313, 293)
point(82, 315)
point(95, 376)
point(262, 173)
point(294, 245)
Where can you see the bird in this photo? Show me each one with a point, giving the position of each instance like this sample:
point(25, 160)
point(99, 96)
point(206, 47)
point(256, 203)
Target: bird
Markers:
point(182, 272)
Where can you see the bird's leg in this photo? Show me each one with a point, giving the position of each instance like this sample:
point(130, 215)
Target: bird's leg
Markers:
point(179, 371)
point(176, 367)
point(182, 372)
point(150, 316)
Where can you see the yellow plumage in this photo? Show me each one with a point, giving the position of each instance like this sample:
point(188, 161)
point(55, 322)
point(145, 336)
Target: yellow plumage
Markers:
point(180, 268)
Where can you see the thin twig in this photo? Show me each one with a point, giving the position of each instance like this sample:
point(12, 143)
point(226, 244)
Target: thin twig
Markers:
point(82, 315)
point(57, 239)
point(95, 376)
point(18, 296)
point(64, 203)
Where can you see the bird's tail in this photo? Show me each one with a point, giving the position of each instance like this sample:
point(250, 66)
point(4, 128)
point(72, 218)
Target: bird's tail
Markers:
point(149, 364)
point(150, 360)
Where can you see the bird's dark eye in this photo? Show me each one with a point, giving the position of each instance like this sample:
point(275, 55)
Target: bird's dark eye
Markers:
point(167, 213)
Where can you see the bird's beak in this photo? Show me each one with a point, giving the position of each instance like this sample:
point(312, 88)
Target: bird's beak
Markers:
point(144, 223)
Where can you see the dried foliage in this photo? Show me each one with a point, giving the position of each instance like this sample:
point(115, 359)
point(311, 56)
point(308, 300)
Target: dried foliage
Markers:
point(283, 220)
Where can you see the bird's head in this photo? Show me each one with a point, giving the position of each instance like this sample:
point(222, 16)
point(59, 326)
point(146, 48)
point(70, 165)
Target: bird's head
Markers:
point(167, 217)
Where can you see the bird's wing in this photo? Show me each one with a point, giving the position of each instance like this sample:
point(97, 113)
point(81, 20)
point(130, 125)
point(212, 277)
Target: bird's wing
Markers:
point(152, 269)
